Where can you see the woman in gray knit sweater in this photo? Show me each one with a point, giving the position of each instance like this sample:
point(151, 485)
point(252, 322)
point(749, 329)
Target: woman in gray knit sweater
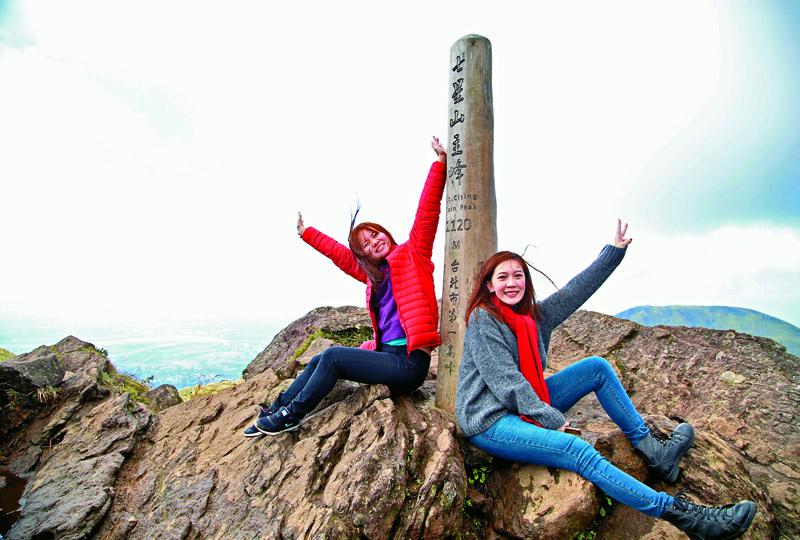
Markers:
point(507, 408)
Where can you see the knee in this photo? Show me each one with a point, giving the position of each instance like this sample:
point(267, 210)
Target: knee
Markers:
point(600, 365)
point(312, 364)
point(588, 460)
point(326, 357)
point(329, 356)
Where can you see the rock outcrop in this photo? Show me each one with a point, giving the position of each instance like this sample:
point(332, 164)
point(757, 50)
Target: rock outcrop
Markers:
point(324, 319)
point(373, 465)
point(28, 372)
point(366, 466)
point(70, 447)
point(748, 443)
point(26, 381)
point(163, 397)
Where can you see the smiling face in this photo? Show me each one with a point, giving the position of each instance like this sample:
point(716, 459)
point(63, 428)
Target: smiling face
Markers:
point(375, 244)
point(508, 282)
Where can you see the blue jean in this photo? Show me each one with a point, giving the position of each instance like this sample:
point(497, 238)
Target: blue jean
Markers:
point(393, 366)
point(514, 439)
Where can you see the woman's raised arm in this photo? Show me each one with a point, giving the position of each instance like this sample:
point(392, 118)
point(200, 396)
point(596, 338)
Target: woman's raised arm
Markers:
point(426, 220)
point(339, 254)
point(561, 304)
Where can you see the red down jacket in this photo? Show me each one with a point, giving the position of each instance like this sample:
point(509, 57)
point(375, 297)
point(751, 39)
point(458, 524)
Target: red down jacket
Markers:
point(410, 268)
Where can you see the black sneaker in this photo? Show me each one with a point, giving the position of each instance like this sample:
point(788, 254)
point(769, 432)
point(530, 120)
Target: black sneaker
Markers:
point(280, 421)
point(262, 410)
point(265, 410)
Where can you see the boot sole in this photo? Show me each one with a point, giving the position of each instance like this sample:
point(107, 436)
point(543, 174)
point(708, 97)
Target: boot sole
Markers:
point(273, 433)
point(675, 471)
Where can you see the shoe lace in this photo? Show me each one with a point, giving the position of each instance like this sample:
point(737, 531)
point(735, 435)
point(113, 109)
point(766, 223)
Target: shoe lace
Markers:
point(683, 504)
point(672, 440)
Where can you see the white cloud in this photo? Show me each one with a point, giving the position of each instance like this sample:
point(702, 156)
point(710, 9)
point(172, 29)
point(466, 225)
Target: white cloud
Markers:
point(154, 155)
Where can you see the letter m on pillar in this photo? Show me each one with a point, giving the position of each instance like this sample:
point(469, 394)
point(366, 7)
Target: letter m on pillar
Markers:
point(455, 244)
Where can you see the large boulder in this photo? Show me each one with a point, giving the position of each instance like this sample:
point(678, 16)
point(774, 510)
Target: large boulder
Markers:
point(328, 320)
point(83, 361)
point(540, 502)
point(368, 465)
point(27, 385)
point(163, 397)
point(28, 372)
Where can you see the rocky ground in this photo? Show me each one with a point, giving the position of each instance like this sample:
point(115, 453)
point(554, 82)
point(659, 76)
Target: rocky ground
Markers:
point(100, 464)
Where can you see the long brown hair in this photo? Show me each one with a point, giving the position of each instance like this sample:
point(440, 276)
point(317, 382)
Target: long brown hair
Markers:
point(482, 298)
point(370, 267)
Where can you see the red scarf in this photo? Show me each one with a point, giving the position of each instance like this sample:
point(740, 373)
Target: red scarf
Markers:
point(530, 363)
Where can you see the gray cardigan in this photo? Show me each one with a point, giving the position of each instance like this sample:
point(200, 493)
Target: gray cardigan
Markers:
point(490, 384)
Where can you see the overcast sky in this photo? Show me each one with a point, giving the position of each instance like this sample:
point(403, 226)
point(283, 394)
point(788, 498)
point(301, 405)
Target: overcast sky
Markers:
point(153, 155)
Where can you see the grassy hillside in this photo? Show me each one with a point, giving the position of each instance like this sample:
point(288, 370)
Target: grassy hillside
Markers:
point(5, 355)
point(719, 318)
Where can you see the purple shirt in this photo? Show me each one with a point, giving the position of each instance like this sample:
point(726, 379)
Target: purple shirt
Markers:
point(389, 327)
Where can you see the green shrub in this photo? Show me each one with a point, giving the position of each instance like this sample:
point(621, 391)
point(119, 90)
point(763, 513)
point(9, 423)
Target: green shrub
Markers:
point(479, 473)
point(206, 390)
point(606, 505)
point(5, 355)
point(101, 352)
point(352, 337)
point(125, 382)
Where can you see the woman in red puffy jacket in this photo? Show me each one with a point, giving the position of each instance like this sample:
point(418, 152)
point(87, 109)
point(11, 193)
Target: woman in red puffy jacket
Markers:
point(401, 300)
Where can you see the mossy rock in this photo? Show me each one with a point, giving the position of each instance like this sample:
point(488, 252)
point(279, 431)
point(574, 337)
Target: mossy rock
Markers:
point(192, 392)
point(125, 382)
point(6, 355)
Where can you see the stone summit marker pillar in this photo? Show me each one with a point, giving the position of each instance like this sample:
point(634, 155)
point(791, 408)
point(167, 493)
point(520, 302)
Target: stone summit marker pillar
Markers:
point(471, 213)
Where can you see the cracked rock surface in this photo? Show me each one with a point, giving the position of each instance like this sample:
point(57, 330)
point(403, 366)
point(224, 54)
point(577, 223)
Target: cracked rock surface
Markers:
point(367, 465)
point(373, 465)
point(747, 435)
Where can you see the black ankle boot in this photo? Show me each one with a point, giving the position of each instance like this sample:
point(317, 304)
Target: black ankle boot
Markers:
point(710, 522)
point(664, 455)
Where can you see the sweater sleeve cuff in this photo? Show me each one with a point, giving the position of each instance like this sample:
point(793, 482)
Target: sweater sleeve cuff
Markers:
point(612, 255)
point(551, 418)
point(438, 165)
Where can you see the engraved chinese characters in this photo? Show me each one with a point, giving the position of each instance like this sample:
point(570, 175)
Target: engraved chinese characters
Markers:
point(470, 213)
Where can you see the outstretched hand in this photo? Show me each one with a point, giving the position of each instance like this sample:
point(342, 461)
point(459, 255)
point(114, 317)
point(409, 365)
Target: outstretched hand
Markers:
point(441, 153)
point(300, 226)
point(619, 239)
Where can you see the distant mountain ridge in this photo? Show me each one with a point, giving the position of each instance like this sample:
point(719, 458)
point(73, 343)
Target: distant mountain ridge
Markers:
point(744, 320)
